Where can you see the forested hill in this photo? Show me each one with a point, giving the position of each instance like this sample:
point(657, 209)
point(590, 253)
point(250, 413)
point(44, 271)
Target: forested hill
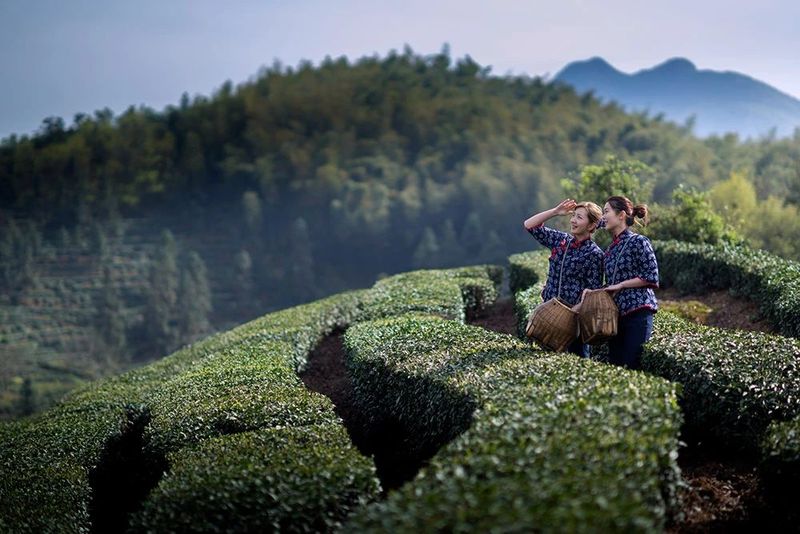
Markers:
point(368, 162)
point(301, 183)
point(377, 135)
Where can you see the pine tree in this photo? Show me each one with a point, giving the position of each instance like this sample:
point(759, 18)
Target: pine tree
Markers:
point(472, 237)
point(110, 319)
point(301, 262)
point(427, 251)
point(493, 249)
point(243, 276)
point(451, 251)
point(27, 398)
point(100, 242)
point(162, 296)
point(251, 209)
point(194, 299)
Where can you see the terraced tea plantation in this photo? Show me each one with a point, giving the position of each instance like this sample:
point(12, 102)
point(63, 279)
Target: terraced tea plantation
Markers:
point(493, 434)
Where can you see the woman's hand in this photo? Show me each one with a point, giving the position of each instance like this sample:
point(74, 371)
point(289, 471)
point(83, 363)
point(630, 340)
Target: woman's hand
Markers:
point(586, 292)
point(565, 207)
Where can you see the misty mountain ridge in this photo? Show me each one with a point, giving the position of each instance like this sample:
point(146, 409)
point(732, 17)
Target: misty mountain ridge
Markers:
point(721, 102)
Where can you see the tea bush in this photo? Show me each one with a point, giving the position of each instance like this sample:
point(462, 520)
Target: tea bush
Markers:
point(734, 382)
point(772, 282)
point(539, 441)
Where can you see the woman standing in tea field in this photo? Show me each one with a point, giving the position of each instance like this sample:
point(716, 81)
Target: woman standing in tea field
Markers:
point(576, 262)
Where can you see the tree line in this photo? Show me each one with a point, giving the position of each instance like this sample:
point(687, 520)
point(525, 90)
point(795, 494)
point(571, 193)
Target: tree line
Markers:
point(315, 179)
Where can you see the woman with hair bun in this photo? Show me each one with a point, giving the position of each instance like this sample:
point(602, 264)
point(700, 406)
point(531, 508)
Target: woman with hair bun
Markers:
point(631, 272)
point(576, 262)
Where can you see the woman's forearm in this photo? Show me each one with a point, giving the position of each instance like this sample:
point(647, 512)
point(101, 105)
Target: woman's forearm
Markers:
point(631, 283)
point(564, 207)
point(539, 218)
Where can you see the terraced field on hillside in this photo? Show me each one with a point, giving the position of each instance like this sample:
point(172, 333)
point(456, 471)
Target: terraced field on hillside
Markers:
point(433, 417)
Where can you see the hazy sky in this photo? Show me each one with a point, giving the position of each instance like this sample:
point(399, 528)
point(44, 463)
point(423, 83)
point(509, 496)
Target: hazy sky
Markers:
point(62, 57)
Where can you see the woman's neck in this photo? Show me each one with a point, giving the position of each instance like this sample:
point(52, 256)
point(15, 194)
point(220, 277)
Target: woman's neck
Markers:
point(619, 231)
point(581, 237)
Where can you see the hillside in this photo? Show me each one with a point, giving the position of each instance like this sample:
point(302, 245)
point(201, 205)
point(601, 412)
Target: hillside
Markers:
point(300, 183)
point(477, 428)
point(720, 102)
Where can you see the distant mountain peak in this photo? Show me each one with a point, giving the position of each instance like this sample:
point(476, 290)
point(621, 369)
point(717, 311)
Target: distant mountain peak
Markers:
point(676, 65)
point(721, 102)
point(593, 68)
point(598, 63)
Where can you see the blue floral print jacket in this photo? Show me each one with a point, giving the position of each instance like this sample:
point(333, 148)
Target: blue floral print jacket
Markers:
point(583, 267)
point(632, 256)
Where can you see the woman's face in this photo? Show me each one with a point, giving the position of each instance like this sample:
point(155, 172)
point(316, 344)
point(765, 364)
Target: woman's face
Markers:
point(614, 221)
point(579, 223)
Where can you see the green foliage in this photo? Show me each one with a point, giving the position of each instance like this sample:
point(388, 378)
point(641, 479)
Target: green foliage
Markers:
point(109, 318)
point(251, 210)
point(19, 245)
point(248, 386)
point(539, 441)
point(27, 398)
point(691, 310)
point(691, 218)
point(241, 380)
point(772, 282)
point(243, 280)
point(450, 293)
point(774, 226)
point(44, 462)
point(527, 268)
point(373, 152)
point(734, 382)
point(304, 479)
point(162, 296)
point(528, 275)
point(194, 299)
point(769, 223)
point(595, 183)
point(300, 261)
point(427, 251)
point(734, 199)
point(780, 461)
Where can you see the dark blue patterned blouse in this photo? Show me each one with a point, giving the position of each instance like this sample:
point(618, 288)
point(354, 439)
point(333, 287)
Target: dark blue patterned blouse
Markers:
point(636, 260)
point(583, 268)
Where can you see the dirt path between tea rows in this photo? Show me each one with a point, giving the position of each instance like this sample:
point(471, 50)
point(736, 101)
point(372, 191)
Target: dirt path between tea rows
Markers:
point(724, 491)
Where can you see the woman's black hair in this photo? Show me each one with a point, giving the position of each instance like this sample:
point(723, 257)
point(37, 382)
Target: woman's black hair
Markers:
point(619, 203)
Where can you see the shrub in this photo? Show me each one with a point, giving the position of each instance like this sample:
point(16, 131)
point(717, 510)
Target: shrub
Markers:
point(529, 280)
point(780, 464)
point(479, 284)
point(542, 441)
point(734, 382)
point(44, 462)
point(772, 282)
point(304, 479)
point(233, 382)
point(526, 269)
point(239, 390)
point(449, 293)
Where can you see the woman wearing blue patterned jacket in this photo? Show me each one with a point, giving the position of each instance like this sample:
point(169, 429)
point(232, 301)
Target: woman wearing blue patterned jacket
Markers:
point(631, 274)
point(581, 258)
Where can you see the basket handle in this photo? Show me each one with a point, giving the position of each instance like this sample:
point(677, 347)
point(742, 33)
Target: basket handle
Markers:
point(616, 263)
point(561, 274)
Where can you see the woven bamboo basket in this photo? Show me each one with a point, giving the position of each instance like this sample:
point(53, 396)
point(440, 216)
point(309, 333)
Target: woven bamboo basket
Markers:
point(598, 317)
point(553, 324)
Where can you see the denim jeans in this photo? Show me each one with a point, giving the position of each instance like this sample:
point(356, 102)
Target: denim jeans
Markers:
point(579, 348)
point(633, 331)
